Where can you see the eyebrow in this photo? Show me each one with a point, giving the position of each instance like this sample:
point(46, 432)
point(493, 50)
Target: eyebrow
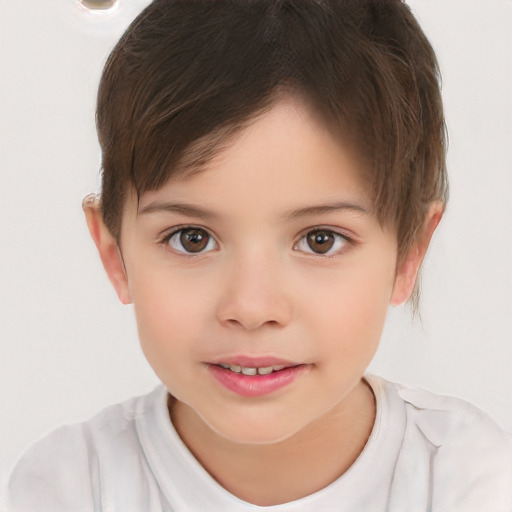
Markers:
point(190, 210)
point(183, 208)
point(324, 209)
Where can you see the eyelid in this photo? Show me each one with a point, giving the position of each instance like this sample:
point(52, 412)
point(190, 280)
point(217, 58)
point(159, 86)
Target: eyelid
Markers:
point(344, 233)
point(167, 235)
point(349, 240)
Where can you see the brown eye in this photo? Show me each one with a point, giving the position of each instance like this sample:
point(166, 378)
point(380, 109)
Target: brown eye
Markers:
point(191, 241)
point(322, 242)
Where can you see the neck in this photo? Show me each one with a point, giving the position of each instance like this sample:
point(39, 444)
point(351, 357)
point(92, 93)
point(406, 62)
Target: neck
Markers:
point(310, 459)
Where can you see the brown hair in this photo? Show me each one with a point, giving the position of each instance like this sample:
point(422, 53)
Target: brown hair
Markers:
point(189, 74)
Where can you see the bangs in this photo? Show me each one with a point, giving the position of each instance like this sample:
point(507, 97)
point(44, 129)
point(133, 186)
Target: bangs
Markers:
point(188, 75)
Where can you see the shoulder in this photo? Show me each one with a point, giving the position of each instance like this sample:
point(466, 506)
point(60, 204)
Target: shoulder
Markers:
point(42, 478)
point(446, 420)
point(469, 456)
point(63, 470)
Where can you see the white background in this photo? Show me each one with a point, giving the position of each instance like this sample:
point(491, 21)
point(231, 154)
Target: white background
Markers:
point(68, 348)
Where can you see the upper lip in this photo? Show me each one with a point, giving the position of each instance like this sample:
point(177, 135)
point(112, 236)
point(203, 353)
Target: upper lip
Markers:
point(255, 361)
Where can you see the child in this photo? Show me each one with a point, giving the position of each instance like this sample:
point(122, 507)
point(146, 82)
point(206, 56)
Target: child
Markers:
point(273, 171)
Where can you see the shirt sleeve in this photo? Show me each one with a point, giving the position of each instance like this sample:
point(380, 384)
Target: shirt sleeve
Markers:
point(473, 472)
point(470, 455)
point(54, 475)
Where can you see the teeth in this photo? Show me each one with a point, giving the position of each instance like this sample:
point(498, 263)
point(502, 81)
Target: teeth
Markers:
point(246, 370)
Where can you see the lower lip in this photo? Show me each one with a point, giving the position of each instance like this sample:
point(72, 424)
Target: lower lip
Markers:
point(256, 385)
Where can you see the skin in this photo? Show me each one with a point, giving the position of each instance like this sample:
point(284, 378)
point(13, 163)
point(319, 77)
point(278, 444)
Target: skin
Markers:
point(259, 289)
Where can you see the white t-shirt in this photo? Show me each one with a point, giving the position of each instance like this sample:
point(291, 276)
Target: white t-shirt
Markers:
point(425, 453)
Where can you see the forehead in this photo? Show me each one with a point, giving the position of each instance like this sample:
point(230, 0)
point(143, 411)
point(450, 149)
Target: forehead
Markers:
point(285, 157)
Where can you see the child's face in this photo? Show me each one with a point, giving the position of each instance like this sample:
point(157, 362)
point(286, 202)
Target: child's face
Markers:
point(279, 261)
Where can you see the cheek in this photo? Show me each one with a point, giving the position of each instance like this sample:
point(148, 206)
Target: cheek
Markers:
point(167, 320)
point(353, 309)
point(169, 311)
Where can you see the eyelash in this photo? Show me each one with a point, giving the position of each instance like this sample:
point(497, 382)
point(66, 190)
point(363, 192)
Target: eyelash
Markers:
point(339, 237)
point(179, 229)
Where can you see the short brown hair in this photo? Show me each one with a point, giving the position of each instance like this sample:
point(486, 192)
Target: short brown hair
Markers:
point(188, 74)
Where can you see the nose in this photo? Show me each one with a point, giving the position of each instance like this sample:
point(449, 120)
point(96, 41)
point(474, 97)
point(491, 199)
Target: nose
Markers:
point(254, 294)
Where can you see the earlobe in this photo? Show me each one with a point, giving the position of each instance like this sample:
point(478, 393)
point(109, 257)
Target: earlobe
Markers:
point(407, 272)
point(107, 246)
point(406, 276)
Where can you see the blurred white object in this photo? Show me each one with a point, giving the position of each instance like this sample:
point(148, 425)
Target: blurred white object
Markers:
point(98, 4)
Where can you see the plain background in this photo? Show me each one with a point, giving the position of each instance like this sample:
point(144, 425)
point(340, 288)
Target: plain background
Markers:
point(68, 348)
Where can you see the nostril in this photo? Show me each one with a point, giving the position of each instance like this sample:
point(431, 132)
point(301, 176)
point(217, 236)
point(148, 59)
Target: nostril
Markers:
point(101, 5)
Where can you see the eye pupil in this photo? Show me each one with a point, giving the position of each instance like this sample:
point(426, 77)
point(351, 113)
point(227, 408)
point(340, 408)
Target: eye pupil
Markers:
point(194, 240)
point(320, 241)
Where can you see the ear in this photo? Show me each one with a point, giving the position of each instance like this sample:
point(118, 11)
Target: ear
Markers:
point(407, 272)
point(107, 246)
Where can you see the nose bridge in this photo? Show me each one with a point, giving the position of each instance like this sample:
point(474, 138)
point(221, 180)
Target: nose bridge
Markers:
point(255, 290)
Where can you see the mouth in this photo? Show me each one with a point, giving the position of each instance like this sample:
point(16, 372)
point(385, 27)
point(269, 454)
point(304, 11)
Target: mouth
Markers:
point(250, 377)
point(253, 370)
